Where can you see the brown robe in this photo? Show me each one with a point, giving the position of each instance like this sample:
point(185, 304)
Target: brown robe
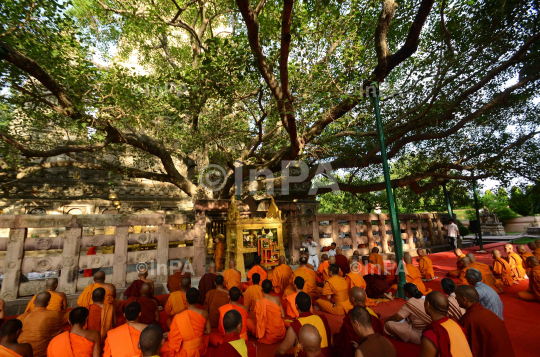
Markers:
point(215, 298)
point(205, 285)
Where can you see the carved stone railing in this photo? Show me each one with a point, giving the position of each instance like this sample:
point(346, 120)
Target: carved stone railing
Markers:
point(417, 230)
point(25, 254)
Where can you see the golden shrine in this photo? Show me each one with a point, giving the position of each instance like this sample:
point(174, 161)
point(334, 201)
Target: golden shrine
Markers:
point(263, 236)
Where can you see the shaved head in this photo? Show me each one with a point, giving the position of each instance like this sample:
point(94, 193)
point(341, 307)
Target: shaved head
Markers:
point(362, 316)
point(457, 252)
point(99, 276)
point(495, 254)
point(98, 295)
point(310, 338)
point(51, 283)
point(282, 259)
point(232, 263)
point(532, 261)
point(408, 258)
point(212, 267)
point(356, 252)
point(437, 302)
point(537, 243)
point(324, 257)
point(339, 250)
point(151, 340)
point(392, 257)
point(468, 292)
point(531, 245)
point(466, 262)
point(42, 299)
point(332, 260)
point(375, 250)
point(420, 252)
point(143, 274)
point(471, 257)
point(185, 283)
point(146, 289)
point(521, 249)
point(357, 296)
point(508, 248)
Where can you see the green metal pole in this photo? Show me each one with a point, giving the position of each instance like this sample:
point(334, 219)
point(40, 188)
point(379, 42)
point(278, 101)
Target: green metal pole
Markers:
point(395, 202)
point(448, 204)
point(396, 232)
point(477, 216)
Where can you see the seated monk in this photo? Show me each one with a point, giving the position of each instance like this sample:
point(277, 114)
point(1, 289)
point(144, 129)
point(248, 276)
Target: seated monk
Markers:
point(251, 296)
point(214, 299)
point(85, 299)
point(219, 251)
point(134, 290)
point(341, 261)
point(354, 278)
point(281, 276)
point(310, 280)
point(190, 330)
point(290, 308)
point(177, 301)
point(269, 315)
point(355, 254)
point(367, 268)
point(320, 270)
point(371, 343)
point(149, 306)
point(335, 290)
point(232, 277)
point(425, 265)
point(331, 261)
point(258, 269)
point(123, 341)
point(175, 280)
point(151, 341)
point(455, 273)
point(487, 275)
point(466, 265)
point(524, 254)
point(342, 340)
point(207, 282)
point(533, 293)
point(376, 259)
point(303, 305)
point(40, 325)
point(234, 295)
point(534, 249)
point(234, 345)
point(412, 275)
point(501, 269)
point(392, 271)
point(58, 300)
point(9, 347)
point(78, 341)
point(515, 263)
point(102, 317)
point(310, 341)
point(308, 265)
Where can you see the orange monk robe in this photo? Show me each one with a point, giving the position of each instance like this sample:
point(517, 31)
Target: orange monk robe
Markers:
point(101, 319)
point(412, 275)
point(174, 281)
point(537, 253)
point(214, 299)
point(270, 326)
point(148, 309)
point(281, 277)
point(455, 273)
point(392, 273)
point(339, 289)
point(39, 327)
point(367, 269)
point(516, 263)
point(218, 255)
point(231, 279)
point(461, 279)
point(524, 257)
point(310, 266)
point(85, 299)
point(252, 294)
point(122, 341)
point(377, 260)
point(326, 276)
point(256, 269)
point(6, 352)
point(187, 338)
point(176, 303)
point(354, 279)
point(55, 304)
point(426, 268)
point(290, 307)
point(487, 276)
point(228, 307)
point(320, 271)
point(533, 292)
point(69, 344)
point(503, 271)
point(310, 283)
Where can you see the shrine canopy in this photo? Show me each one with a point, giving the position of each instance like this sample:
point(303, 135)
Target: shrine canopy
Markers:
point(263, 236)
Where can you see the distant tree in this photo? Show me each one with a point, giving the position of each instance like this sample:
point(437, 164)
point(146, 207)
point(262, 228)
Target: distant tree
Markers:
point(525, 200)
point(497, 204)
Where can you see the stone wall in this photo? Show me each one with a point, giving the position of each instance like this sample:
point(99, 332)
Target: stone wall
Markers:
point(161, 244)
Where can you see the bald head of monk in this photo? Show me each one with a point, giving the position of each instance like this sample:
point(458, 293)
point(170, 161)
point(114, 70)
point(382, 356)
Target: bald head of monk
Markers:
point(532, 246)
point(324, 257)
point(98, 295)
point(219, 281)
point(407, 258)
point(420, 252)
point(42, 299)
point(457, 252)
point(257, 260)
point(132, 311)
point(361, 321)
point(303, 302)
point(282, 260)
point(375, 250)
point(356, 253)
point(299, 283)
point(310, 340)
point(537, 242)
point(232, 322)
point(332, 259)
point(471, 257)
point(99, 277)
point(51, 284)
point(192, 296)
point(357, 296)
point(185, 283)
point(392, 257)
point(232, 264)
point(143, 274)
point(151, 340)
point(146, 289)
point(267, 286)
point(532, 262)
point(212, 268)
point(11, 330)
point(466, 262)
point(303, 261)
point(436, 305)
point(339, 250)
point(495, 254)
point(365, 259)
point(78, 316)
point(256, 278)
point(521, 249)
point(508, 248)
point(234, 294)
point(466, 296)
point(333, 270)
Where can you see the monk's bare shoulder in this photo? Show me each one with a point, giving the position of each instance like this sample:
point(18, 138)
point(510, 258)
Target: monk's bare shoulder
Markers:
point(202, 312)
point(93, 336)
point(24, 349)
point(242, 306)
point(276, 300)
point(61, 294)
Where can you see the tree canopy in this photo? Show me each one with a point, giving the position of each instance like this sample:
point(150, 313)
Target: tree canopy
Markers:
point(160, 89)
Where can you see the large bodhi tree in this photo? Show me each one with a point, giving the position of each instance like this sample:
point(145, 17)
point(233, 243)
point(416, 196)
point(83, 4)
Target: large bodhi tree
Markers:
point(183, 84)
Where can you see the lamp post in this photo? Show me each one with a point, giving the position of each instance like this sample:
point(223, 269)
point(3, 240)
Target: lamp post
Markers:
point(396, 232)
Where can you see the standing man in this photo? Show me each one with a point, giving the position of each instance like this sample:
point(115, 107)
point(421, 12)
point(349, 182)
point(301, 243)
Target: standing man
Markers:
point(332, 251)
point(311, 246)
point(453, 232)
point(219, 253)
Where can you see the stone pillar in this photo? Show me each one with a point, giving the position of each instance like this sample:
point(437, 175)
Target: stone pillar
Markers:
point(419, 234)
point(294, 243)
point(440, 234)
point(162, 268)
point(430, 229)
point(70, 260)
point(12, 265)
point(120, 256)
point(315, 224)
point(369, 233)
point(199, 248)
point(410, 235)
point(335, 230)
point(382, 233)
point(352, 235)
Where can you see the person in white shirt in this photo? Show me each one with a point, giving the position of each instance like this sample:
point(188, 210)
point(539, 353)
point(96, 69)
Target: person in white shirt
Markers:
point(312, 251)
point(332, 252)
point(453, 232)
